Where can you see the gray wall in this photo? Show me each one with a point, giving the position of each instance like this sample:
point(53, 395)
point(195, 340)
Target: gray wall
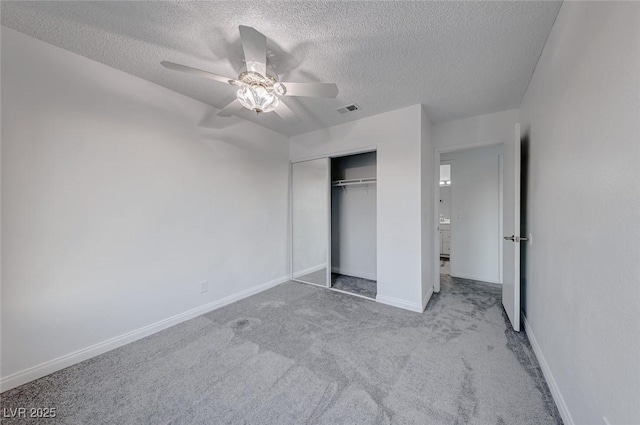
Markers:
point(581, 122)
point(116, 204)
point(429, 177)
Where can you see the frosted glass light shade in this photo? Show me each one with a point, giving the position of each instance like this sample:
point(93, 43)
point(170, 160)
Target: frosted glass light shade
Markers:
point(257, 98)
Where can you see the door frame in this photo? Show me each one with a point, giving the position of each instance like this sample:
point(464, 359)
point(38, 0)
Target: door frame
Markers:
point(450, 162)
point(436, 201)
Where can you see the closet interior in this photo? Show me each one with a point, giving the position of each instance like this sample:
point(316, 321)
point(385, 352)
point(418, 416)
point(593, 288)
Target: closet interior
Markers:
point(353, 224)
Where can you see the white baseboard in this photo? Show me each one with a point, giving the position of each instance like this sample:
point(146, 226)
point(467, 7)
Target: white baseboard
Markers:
point(426, 297)
point(309, 270)
point(349, 273)
point(46, 368)
point(553, 386)
point(478, 278)
point(397, 302)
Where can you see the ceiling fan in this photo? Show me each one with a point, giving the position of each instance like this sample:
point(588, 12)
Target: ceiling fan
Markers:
point(259, 88)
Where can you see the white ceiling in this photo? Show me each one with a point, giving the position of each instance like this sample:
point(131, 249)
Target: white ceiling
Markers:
point(458, 58)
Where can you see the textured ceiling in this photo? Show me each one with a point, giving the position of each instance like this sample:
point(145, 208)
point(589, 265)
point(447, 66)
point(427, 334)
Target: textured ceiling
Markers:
point(458, 58)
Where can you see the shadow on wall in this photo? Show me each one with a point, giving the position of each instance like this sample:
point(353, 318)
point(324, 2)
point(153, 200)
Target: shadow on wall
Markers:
point(524, 197)
point(211, 120)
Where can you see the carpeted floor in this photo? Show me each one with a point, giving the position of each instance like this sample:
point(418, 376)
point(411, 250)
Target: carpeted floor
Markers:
point(355, 285)
point(299, 354)
point(445, 266)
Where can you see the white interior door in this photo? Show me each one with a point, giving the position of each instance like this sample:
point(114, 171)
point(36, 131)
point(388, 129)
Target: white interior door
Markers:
point(511, 230)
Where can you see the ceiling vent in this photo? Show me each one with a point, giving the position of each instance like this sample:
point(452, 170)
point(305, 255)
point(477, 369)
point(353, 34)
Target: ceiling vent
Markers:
point(349, 108)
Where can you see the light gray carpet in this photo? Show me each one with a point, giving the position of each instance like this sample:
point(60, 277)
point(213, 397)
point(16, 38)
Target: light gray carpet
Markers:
point(445, 266)
point(355, 285)
point(298, 354)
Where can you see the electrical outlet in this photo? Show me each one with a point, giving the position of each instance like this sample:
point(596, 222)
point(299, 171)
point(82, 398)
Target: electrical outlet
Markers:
point(204, 286)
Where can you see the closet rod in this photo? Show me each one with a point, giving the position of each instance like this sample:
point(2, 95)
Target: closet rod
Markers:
point(354, 182)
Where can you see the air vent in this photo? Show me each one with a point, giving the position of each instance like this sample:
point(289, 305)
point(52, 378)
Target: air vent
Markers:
point(349, 108)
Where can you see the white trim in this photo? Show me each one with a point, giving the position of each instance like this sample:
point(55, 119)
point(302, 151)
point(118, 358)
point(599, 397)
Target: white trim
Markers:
point(397, 302)
point(501, 216)
point(474, 145)
point(546, 371)
point(426, 298)
point(337, 154)
point(437, 238)
point(349, 273)
point(290, 223)
point(352, 294)
point(517, 163)
point(319, 285)
point(329, 199)
point(46, 368)
point(309, 270)
point(481, 279)
point(437, 151)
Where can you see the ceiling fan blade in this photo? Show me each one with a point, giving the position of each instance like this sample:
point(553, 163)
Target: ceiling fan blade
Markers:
point(198, 72)
point(231, 109)
point(254, 45)
point(284, 112)
point(311, 89)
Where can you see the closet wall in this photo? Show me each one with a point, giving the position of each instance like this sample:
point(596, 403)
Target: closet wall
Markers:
point(353, 217)
point(405, 172)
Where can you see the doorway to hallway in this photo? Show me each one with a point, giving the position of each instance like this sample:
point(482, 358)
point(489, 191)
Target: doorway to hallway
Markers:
point(470, 214)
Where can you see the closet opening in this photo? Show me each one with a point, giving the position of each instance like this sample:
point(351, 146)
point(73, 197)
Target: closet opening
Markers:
point(353, 224)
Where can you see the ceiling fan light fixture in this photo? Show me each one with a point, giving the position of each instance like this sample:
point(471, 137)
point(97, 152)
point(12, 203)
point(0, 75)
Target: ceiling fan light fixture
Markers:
point(258, 86)
point(257, 98)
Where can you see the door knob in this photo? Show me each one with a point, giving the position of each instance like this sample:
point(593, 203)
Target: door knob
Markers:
point(510, 238)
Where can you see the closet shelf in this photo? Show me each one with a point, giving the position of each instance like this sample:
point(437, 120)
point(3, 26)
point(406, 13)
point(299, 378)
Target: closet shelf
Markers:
point(354, 182)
